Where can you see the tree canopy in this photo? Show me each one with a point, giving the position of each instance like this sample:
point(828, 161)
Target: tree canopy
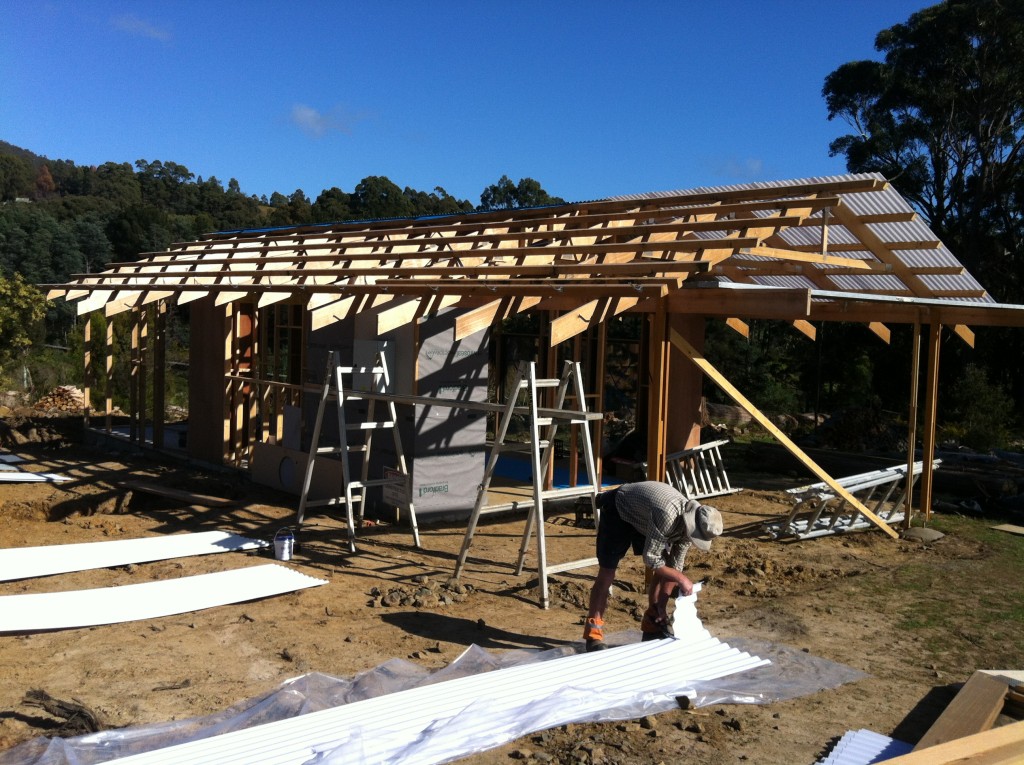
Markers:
point(942, 117)
point(505, 195)
point(22, 308)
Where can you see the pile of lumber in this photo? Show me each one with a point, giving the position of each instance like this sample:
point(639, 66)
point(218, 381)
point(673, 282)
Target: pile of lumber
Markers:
point(64, 398)
point(967, 731)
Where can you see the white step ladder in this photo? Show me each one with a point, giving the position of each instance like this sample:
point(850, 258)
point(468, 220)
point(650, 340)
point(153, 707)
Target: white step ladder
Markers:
point(543, 427)
point(352, 493)
point(699, 472)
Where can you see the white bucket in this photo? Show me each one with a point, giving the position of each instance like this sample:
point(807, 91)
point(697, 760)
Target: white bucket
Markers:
point(284, 544)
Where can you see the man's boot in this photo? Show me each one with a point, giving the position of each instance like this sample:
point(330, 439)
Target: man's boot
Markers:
point(593, 634)
point(651, 629)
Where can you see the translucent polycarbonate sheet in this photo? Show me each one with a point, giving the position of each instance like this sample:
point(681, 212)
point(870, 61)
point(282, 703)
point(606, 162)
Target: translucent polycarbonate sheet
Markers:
point(864, 747)
point(791, 674)
point(148, 600)
point(441, 721)
point(26, 562)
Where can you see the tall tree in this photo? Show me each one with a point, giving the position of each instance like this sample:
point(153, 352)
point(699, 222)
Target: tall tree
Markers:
point(505, 195)
point(22, 308)
point(331, 206)
point(943, 118)
point(378, 197)
point(16, 176)
point(45, 187)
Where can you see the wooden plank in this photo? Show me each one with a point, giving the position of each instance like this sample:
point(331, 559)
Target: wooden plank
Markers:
point(189, 294)
point(1009, 528)
point(749, 303)
point(807, 328)
point(973, 710)
point(881, 330)
point(477, 319)
point(964, 333)
point(572, 323)
point(998, 746)
point(399, 313)
point(180, 495)
point(808, 257)
point(738, 325)
point(332, 312)
point(159, 317)
point(680, 342)
point(96, 300)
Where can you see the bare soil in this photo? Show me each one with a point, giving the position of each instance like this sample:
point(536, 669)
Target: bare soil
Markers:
point(846, 599)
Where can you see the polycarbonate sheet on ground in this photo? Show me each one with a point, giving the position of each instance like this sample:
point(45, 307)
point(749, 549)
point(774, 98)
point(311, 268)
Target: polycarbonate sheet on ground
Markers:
point(26, 562)
point(148, 600)
point(22, 476)
point(442, 721)
point(864, 747)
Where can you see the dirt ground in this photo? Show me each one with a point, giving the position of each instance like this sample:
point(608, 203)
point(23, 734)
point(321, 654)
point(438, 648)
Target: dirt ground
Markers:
point(837, 598)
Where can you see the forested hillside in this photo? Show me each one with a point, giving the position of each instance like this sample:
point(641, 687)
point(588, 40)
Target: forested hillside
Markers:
point(58, 218)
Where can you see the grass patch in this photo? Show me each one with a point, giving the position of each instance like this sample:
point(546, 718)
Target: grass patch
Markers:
point(981, 579)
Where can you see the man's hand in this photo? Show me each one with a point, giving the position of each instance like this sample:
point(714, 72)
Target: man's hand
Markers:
point(664, 585)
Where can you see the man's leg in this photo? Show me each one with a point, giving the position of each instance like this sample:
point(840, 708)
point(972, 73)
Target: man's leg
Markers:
point(593, 632)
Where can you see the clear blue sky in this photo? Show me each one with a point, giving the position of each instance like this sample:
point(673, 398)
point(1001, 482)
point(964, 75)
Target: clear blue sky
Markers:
point(592, 99)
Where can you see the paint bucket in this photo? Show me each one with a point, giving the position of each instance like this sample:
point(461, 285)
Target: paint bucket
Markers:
point(284, 544)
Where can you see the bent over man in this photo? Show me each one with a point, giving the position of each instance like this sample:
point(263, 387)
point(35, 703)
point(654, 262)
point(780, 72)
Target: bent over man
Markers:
point(659, 523)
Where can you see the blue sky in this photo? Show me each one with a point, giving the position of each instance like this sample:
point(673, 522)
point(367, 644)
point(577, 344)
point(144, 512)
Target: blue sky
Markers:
point(592, 99)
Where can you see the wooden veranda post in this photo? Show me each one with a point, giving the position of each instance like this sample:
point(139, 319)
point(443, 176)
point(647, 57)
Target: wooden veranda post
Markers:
point(931, 396)
point(159, 372)
point(656, 399)
point(87, 368)
point(915, 367)
point(108, 383)
point(685, 388)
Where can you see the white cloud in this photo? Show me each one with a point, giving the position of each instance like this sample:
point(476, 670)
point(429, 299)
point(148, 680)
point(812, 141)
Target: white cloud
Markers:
point(133, 25)
point(741, 169)
point(317, 124)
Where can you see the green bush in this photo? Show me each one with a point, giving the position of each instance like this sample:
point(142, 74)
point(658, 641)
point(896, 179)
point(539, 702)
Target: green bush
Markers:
point(980, 413)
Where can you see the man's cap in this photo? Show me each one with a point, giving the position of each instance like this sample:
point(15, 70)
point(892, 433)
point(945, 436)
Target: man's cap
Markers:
point(703, 524)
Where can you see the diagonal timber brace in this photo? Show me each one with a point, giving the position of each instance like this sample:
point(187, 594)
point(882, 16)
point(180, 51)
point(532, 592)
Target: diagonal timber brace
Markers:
point(705, 366)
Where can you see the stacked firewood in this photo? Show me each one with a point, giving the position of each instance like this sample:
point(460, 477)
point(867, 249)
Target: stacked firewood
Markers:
point(64, 398)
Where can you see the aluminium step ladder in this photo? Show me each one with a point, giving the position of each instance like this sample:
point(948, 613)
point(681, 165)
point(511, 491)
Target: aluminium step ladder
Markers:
point(817, 511)
point(352, 493)
point(699, 472)
point(544, 425)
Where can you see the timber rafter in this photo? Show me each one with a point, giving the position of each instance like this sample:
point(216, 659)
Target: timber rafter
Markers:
point(847, 236)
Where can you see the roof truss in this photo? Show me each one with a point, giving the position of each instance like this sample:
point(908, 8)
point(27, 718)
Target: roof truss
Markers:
point(848, 235)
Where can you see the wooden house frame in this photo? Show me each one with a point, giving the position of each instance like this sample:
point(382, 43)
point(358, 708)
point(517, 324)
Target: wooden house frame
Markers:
point(844, 248)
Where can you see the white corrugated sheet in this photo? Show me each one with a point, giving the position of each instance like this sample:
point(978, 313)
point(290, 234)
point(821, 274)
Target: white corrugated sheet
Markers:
point(864, 747)
point(25, 562)
point(23, 476)
point(442, 721)
point(148, 600)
